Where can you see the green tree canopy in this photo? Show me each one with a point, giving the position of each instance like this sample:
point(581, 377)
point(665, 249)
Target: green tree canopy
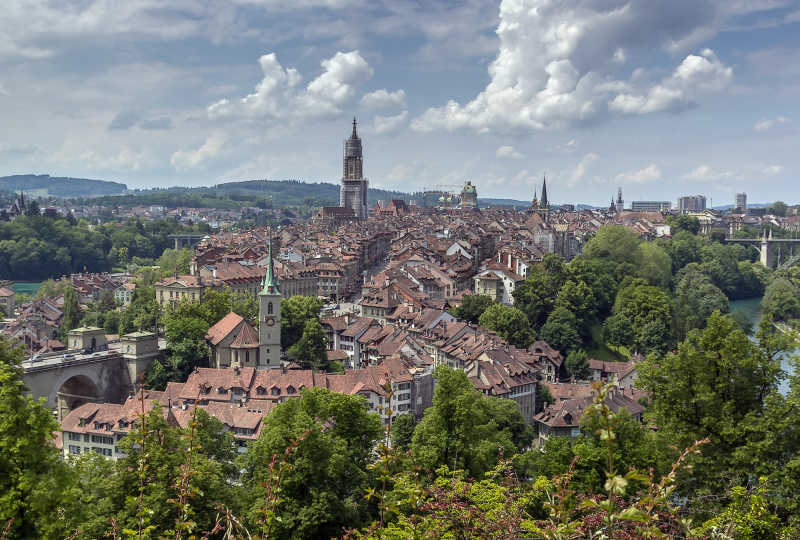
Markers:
point(71, 317)
point(781, 300)
point(466, 430)
point(696, 298)
point(325, 474)
point(510, 323)
point(577, 364)
point(295, 312)
point(561, 330)
point(472, 307)
point(311, 350)
point(30, 469)
point(642, 319)
point(714, 386)
point(618, 246)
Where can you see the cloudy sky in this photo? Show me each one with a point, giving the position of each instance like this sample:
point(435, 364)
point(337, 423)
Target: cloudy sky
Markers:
point(661, 98)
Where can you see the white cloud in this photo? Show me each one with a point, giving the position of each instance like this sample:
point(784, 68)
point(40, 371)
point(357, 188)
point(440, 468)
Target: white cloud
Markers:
point(183, 160)
point(766, 124)
point(558, 64)
point(642, 176)
point(772, 170)
point(279, 95)
point(695, 75)
point(383, 99)
point(508, 152)
point(582, 167)
point(388, 124)
point(705, 173)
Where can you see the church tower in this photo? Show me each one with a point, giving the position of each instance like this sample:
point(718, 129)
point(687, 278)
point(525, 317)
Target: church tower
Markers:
point(620, 204)
point(269, 317)
point(544, 204)
point(353, 192)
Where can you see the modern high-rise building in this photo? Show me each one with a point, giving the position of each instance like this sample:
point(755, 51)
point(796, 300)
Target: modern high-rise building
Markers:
point(651, 206)
point(353, 193)
point(692, 203)
point(741, 201)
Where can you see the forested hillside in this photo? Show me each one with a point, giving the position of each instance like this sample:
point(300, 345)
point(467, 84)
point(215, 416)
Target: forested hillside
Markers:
point(43, 185)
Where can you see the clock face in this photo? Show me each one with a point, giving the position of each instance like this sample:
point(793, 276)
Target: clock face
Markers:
point(269, 320)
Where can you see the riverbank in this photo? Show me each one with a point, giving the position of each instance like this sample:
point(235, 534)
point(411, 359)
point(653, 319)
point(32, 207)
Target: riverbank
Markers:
point(751, 309)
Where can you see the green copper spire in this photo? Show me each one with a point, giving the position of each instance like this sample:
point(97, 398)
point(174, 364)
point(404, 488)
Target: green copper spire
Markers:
point(269, 283)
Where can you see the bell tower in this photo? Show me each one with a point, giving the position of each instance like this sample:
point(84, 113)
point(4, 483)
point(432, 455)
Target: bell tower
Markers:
point(269, 317)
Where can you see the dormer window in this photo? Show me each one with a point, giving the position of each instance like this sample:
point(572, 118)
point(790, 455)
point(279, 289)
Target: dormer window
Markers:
point(260, 391)
point(290, 389)
point(205, 389)
point(220, 390)
point(276, 391)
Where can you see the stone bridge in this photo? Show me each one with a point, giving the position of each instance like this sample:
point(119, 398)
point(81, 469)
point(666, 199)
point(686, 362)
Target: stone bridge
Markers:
point(766, 246)
point(81, 375)
point(186, 240)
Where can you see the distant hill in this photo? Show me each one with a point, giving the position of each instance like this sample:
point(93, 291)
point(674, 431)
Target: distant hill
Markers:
point(278, 193)
point(43, 185)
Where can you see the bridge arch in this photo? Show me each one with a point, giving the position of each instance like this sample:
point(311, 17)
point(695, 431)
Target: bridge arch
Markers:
point(74, 388)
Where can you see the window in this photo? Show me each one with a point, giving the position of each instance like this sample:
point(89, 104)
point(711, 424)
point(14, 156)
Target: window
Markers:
point(75, 437)
point(74, 449)
point(290, 389)
point(260, 391)
point(269, 308)
point(220, 390)
point(104, 451)
point(86, 438)
point(276, 391)
point(101, 439)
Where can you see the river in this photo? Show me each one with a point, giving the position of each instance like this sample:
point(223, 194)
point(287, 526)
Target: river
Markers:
point(752, 309)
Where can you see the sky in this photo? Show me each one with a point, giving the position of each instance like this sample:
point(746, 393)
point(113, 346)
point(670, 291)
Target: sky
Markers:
point(659, 98)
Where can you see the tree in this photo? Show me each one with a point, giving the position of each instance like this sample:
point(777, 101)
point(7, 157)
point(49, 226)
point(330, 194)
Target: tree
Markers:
point(175, 261)
point(466, 430)
point(655, 266)
point(544, 396)
point(472, 307)
point(30, 469)
point(696, 298)
point(618, 246)
point(71, 317)
point(689, 224)
point(781, 300)
point(598, 274)
point(325, 442)
point(510, 323)
point(295, 312)
point(186, 341)
point(641, 319)
point(402, 431)
point(715, 386)
point(106, 302)
point(577, 364)
point(778, 208)
point(537, 294)
point(561, 330)
point(578, 298)
point(310, 351)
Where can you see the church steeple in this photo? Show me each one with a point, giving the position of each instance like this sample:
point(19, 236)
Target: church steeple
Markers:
point(535, 203)
point(355, 133)
point(269, 284)
point(544, 192)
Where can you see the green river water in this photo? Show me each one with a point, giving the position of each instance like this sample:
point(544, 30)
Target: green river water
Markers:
point(752, 308)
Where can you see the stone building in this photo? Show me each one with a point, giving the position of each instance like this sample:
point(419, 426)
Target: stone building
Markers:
point(353, 193)
point(469, 196)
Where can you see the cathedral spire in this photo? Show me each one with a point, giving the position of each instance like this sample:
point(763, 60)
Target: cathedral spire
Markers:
point(544, 191)
point(355, 133)
point(270, 284)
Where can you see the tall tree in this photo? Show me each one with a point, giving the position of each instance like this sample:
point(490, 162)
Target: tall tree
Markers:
point(466, 430)
point(295, 312)
point(641, 319)
point(30, 469)
point(577, 364)
point(310, 351)
point(696, 298)
point(324, 443)
point(714, 386)
point(561, 330)
point(71, 317)
point(472, 307)
point(510, 323)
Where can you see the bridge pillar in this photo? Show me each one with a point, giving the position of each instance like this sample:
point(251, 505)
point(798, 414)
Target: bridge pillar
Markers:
point(767, 253)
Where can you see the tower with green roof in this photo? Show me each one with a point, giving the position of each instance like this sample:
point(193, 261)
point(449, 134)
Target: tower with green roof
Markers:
point(269, 317)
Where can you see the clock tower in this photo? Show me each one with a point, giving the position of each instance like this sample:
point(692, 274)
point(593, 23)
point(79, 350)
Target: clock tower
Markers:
point(269, 317)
